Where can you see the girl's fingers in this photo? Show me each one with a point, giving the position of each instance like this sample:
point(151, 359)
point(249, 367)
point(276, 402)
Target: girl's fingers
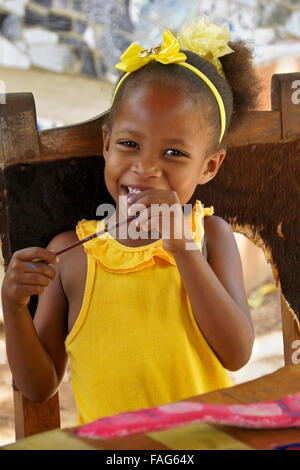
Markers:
point(145, 213)
point(33, 260)
point(28, 290)
point(28, 273)
point(163, 209)
point(153, 198)
point(39, 268)
point(163, 216)
point(168, 227)
point(35, 279)
point(36, 253)
point(136, 208)
point(157, 223)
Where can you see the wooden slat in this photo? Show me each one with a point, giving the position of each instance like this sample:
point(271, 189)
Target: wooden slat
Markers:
point(285, 380)
point(83, 139)
point(285, 102)
point(86, 138)
point(33, 418)
point(259, 127)
point(291, 333)
point(285, 99)
point(18, 134)
point(19, 142)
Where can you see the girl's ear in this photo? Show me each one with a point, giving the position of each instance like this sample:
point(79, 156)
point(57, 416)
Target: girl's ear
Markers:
point(211, 166)
point(106, 139)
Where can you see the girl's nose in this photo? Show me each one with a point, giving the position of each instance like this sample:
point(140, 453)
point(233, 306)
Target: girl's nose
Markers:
point(146, 169)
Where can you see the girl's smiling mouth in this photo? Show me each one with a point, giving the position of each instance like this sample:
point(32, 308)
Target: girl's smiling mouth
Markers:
point(133, 189)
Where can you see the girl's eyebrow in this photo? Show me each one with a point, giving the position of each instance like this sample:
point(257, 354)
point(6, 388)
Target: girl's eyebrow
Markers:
point(166, 141)
point(176, 141)
point(127, 130)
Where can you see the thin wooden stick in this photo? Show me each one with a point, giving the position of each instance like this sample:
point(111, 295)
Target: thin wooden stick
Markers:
point(97, 234)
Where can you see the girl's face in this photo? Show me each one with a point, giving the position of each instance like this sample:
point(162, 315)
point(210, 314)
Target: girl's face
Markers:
point(158, 140)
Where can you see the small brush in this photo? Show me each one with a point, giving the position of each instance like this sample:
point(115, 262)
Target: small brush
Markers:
point(97, 234)
point(91, 237)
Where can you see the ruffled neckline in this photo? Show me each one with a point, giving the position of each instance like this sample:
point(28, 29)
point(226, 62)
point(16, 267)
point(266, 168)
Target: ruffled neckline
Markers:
point(113, 256)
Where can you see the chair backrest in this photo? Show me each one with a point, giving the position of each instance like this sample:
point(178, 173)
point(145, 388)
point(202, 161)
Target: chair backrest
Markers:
point(51, 179)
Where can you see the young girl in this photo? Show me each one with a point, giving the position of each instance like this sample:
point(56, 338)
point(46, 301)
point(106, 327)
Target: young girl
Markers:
point(145, 321)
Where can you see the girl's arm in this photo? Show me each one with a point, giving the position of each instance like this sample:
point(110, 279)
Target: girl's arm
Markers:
point(217, 295)
point(35, 349)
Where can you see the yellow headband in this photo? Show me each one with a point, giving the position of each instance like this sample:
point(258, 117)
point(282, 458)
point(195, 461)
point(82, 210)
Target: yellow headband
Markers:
point(136, 57)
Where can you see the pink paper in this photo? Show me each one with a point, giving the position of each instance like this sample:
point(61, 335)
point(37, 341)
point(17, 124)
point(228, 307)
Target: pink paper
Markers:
point(275, 414)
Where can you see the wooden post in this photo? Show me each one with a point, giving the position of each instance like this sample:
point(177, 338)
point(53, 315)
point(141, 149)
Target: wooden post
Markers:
point(286, 99)
point(33, 418)
point(291, 335)
point(19, 143)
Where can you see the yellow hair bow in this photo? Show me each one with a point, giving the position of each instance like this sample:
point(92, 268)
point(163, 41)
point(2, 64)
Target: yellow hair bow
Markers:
point(135, 57)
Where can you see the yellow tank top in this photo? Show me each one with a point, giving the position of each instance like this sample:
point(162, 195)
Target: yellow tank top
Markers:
point(135, 343)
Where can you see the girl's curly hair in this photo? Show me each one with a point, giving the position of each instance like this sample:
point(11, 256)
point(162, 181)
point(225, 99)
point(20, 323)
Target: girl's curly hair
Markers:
point(239, 89)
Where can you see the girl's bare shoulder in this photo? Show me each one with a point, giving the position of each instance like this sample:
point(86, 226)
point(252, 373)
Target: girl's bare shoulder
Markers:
point(63, 239)
point(215, 226)
point(219, 236)
point(73, 264)
point(69, 259)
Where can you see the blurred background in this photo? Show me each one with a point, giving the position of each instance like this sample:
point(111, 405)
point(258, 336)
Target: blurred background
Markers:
point(64, 52)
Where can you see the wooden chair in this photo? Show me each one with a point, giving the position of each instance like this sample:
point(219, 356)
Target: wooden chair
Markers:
point(53, 178)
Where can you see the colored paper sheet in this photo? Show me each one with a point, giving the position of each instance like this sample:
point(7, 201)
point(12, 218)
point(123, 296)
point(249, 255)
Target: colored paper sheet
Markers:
point(197, 436)
point(271, 415)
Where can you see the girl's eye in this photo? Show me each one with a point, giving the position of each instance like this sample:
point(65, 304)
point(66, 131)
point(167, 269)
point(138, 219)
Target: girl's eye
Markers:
point(128, 143)
point(175, 153)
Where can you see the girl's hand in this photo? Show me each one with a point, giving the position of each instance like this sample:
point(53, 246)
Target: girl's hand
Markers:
point(26, 277)
point(160, 210)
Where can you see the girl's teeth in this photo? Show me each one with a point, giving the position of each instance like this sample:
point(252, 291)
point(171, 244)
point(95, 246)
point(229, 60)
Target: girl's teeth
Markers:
point(133, 190)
